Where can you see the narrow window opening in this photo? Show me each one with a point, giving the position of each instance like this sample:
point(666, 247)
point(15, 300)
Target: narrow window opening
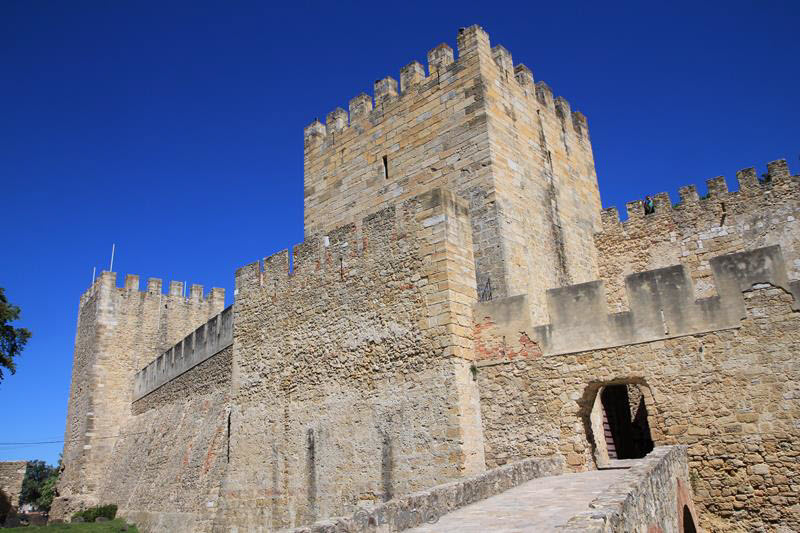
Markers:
point(229, 437)
point(311, 469)
point(386, 167)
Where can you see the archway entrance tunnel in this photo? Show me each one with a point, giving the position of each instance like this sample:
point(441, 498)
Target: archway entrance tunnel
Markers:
point(620, 429)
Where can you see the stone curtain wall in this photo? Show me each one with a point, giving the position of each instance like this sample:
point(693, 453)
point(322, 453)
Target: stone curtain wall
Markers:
point(166, 470)
point(120, 330)
point(479, 126)
point(650, 498)
point(350, 379)
point(731, 396)
point(11, 475)
point(695, 230)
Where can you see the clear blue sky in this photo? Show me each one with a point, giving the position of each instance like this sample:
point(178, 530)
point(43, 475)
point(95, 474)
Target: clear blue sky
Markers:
point(174, 129)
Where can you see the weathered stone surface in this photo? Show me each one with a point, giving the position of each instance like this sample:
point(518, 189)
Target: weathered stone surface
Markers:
point(168, 465)
point(369, 394)
point(651, 494)
point(11, 475)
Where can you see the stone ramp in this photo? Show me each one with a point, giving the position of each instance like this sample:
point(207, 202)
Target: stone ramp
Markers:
point(539, 505)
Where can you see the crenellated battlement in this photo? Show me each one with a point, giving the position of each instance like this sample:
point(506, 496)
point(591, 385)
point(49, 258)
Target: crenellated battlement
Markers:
point(662, 305)
point(154, 287)
point(749, 182)
point(442, 65)
point(341, 250)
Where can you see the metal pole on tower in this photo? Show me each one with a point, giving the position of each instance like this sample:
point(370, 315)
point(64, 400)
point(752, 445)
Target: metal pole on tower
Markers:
point(94, 272)
point(111, 266)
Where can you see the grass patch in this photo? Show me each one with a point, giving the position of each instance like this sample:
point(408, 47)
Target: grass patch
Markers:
point(112, 526)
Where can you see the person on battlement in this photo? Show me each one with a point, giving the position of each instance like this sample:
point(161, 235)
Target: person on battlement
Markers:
point(649, 206)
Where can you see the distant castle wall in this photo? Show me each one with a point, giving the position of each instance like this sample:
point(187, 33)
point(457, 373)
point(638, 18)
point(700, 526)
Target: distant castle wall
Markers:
point(11, 475)
point(120, 330)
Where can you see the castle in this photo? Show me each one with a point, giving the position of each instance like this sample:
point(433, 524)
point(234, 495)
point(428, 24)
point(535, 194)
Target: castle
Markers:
point(461, 302)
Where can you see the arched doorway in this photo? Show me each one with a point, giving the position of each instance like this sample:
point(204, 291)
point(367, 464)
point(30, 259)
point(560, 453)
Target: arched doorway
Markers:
point(625, 426)
point(619, 422)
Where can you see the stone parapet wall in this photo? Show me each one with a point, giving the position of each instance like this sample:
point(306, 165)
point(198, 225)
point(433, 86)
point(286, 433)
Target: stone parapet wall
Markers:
point(763, 212)
point(650, 498)
point(662, 305)
point(11, 475)
point(204, 342)
point(428, 505)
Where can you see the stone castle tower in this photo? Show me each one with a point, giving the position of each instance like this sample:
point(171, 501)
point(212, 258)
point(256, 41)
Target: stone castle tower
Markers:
point(119, 329)
point(481, 127)
point(460, 302)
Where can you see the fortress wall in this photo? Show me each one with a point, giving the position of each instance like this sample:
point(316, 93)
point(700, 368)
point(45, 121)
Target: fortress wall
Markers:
point(11, 475)
point(120, 329)
point(350, 379)
point(170, 461)
point(479, 126)
point(730, 395)
point(697, 229)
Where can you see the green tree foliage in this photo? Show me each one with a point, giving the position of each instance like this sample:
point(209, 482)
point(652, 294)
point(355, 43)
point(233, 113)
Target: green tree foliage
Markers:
point(47, 493)
point(12, 340)
point(37, 475)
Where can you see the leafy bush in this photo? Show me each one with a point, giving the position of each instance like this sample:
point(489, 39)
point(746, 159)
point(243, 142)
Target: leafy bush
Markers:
point(38, 485)
point(88, 515)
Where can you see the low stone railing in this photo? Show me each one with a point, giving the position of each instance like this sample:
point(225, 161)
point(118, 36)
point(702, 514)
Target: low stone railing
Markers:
point(418, 508)
point(649, 497)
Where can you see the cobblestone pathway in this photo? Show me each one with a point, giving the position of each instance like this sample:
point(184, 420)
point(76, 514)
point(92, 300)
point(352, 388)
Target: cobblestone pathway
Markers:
point(537, 506)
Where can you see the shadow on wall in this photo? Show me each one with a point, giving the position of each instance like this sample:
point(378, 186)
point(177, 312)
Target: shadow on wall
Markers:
point(8, 515)
point(617, 420)
point(688, 521)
